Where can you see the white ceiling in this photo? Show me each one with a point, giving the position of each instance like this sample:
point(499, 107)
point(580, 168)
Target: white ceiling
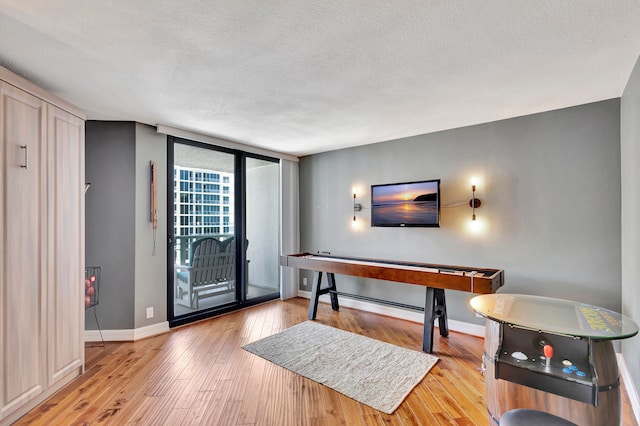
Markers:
point(308, 76)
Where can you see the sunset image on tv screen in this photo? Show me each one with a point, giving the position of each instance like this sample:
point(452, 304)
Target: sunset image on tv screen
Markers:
point(405, 204)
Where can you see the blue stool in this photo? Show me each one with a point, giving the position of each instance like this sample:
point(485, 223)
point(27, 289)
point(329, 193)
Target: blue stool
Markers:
point(523, 416)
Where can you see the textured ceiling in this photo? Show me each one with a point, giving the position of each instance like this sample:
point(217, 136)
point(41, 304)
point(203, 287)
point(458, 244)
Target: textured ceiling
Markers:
point(308, 76)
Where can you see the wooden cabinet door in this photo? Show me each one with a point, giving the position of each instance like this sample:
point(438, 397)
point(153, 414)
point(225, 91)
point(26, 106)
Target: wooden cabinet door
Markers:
point(22, 247)
point(65, 147)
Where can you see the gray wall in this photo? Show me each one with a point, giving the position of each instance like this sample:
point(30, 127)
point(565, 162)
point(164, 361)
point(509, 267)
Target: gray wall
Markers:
point(630, 147)
point(119, 235)
point(151, 268)
point(550, 187)
point(110, 229)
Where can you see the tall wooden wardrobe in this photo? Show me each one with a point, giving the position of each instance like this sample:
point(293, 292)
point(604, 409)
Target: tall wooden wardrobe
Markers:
point(41, 245)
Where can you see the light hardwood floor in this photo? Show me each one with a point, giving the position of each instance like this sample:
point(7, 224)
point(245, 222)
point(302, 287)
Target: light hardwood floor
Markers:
point(198, 374)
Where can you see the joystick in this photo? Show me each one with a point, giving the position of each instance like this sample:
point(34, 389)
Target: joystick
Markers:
point(548, 354)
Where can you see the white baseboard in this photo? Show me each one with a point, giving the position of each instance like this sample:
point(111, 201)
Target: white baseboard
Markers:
point(414, 316)
point(127, 335)
point(629, 385)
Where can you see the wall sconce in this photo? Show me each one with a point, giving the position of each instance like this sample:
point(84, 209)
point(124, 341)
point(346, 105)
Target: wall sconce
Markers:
point(356, 207)
point(474, 203)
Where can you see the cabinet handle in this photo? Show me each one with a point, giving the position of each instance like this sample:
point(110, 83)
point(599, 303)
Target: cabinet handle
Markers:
point(26, 156)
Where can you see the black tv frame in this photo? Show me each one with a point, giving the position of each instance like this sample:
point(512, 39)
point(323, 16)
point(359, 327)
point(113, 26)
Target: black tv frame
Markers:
point(403, 187)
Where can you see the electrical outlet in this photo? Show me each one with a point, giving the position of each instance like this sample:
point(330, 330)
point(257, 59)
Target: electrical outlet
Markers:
point(304, 281)
point(150, 312)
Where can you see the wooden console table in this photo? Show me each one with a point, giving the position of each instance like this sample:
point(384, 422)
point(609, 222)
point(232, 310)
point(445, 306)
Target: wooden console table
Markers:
point(436, 278)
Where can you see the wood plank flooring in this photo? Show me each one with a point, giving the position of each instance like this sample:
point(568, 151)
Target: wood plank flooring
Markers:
point(198, 374)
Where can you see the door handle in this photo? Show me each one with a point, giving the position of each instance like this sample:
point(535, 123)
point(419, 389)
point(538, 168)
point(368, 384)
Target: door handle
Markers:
point(26, 156)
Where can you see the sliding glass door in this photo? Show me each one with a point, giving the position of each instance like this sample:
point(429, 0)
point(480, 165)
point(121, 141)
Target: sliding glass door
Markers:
point(262, 201)
point(220, 198)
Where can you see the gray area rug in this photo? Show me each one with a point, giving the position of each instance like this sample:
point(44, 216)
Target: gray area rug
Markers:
point(372, 372)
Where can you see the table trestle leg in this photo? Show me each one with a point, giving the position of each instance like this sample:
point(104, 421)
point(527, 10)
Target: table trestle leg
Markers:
point(331, 278)
point(434, 308)
point(316, 292)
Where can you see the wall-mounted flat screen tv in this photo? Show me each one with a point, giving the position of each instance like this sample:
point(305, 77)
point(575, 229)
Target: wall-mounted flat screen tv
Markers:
point(406, 204)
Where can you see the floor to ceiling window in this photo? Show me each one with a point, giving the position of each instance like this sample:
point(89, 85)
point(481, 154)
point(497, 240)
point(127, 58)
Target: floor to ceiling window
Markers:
point(262, 212)
point(223, 230)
